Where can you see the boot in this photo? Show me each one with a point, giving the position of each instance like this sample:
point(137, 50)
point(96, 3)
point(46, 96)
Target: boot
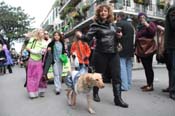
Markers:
point(166, 90)
point(95, 94)
point(9, 68)
point(117, 96)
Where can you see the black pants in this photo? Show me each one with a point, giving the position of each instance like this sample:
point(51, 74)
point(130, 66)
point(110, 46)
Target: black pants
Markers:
point(9, 68)
point(147, 64)
point(25, 84)
point(106, 61)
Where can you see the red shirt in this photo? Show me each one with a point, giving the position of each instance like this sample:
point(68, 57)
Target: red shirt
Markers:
point(82, 50)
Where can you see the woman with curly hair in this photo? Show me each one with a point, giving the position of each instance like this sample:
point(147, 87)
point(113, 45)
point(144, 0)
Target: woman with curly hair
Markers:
point(105, 54)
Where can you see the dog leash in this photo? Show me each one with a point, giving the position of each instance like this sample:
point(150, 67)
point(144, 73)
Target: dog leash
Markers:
point(82, 56)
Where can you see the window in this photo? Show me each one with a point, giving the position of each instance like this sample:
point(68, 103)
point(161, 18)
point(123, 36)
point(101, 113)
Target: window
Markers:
point(56, 12)
point(137, 8)
point(127, 2)
point(150, 5)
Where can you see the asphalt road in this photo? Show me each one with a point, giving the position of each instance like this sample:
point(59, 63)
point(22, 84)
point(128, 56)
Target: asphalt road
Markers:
point(14, 100)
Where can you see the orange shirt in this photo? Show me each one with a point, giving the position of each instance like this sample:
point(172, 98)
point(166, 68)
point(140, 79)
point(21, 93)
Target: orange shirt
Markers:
point(82, 50)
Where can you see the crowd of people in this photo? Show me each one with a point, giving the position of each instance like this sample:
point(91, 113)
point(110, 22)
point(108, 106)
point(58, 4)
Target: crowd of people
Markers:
point(103, 54)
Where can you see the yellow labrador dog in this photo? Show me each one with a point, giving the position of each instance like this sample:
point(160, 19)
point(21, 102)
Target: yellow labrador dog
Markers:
point(84, 84)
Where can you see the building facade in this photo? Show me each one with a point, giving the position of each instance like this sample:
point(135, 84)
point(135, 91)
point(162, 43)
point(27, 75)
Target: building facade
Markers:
point(69, 15)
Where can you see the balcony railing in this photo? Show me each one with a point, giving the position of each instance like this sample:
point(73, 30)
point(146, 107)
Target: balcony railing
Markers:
point(151, 10)
point(64, 5)
point(80, 13)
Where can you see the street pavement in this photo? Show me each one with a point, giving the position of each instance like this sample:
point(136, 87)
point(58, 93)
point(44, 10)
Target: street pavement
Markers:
point(14, 100)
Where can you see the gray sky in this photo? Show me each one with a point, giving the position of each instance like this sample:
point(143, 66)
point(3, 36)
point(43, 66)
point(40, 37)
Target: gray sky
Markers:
point(35, 8)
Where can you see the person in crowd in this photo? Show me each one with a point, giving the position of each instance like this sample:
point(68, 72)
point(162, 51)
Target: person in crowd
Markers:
point(170, 47)
point(127, 52)
point(2, 42)
point(2, 59)
point(81, 49)
point(47, 38)
point(36, 85)
point(14, 56)
point(54, 50)
point(67, 46)
point(146, 31)
point(105, 54)
point(24, 56)
point(9, 61)
point(1, 39)
point(162, 55)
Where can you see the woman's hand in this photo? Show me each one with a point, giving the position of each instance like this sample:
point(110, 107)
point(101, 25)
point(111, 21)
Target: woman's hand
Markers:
point(144, 22)
point(78, 34)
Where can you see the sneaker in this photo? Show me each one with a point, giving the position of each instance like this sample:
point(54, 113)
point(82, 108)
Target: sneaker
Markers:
point(33, 97)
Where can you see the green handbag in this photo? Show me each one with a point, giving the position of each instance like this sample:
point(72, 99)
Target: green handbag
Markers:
point(63, 58)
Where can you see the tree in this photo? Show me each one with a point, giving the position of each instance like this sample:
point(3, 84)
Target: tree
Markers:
point(13, 21)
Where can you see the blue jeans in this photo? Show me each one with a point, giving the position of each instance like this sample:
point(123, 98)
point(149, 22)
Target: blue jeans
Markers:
point(126, 72)
point(171, 53)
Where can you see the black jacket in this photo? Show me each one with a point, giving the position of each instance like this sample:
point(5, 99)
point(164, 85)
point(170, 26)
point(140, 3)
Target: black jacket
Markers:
point(127, 38)
point(106, 40)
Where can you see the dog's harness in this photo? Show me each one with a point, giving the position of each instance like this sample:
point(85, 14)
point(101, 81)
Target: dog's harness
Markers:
point(72, 78)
